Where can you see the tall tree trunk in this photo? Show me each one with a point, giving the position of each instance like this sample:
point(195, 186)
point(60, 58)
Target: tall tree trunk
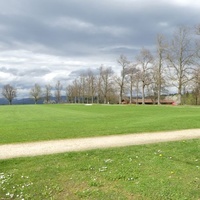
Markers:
point(143, 100)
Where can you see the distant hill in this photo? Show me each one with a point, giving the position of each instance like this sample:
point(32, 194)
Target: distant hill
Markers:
point(3, 101)
point(19, 101)
point(23, 101)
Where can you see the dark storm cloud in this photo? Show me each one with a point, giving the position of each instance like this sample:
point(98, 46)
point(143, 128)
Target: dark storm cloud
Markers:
point(82, 27)
point(85, 33)
point(61, 25)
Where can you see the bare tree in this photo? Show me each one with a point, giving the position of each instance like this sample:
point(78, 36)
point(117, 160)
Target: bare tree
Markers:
point(90, 85)
point(180, 57)
point(76, 90)
point(98, 89)
point(137, 83)
point(36, 93)
point(145, 61)
point(161, 50)
point(82, 88)
point(131, 78)
point(105, 81)
point(47, 93)
point(196, 86)
point(69, 93)
point(157, 84)
point(9, 92)
point(120, 80)
point(58, 88)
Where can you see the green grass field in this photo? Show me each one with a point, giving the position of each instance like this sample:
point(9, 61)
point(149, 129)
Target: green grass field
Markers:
point(47, 122)
point(161, 171)
point(147, 172)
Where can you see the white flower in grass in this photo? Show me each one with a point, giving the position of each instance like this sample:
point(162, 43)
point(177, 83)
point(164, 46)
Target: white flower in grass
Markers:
point(102, 169)
point(108, 160)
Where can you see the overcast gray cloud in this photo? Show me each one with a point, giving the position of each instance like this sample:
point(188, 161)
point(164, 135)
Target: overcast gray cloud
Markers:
point(42, 41)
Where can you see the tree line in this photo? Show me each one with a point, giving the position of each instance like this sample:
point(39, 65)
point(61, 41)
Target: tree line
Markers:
point(174, 63)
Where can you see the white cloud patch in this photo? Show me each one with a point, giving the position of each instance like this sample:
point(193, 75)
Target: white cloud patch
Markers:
point(184, 3)
point(4, 77)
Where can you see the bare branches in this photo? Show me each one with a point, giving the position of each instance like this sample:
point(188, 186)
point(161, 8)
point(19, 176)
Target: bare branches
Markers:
point(180, 57)
point(36, 93)
point(145, 61)
point(120, 80)
point(47, 93)
point(58, 89)
point(9, 92)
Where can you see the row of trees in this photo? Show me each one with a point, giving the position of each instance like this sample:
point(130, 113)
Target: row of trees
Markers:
point(174, 63)
point(37, 93)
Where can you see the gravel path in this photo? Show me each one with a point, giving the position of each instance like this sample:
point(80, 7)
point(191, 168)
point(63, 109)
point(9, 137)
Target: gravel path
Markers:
point(59, 146)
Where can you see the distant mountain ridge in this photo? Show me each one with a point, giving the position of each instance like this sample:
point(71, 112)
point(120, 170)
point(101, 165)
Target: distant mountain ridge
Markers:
point(19, 101)
point(23, 101)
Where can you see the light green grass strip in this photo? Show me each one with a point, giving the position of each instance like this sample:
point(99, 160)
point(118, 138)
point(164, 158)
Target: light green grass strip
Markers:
point(28, 123)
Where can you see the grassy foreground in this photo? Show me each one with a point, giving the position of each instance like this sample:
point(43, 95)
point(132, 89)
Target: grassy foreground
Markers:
point(147, 172)
point(46, 122)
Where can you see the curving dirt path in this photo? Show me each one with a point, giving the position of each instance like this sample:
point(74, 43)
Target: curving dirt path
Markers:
point(8, 151)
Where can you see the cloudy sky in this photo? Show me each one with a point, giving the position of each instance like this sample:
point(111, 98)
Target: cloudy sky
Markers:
point(42, 41)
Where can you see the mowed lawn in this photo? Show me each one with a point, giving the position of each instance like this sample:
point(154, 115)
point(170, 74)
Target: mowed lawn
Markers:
point(148, 172)
point(25, 123)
